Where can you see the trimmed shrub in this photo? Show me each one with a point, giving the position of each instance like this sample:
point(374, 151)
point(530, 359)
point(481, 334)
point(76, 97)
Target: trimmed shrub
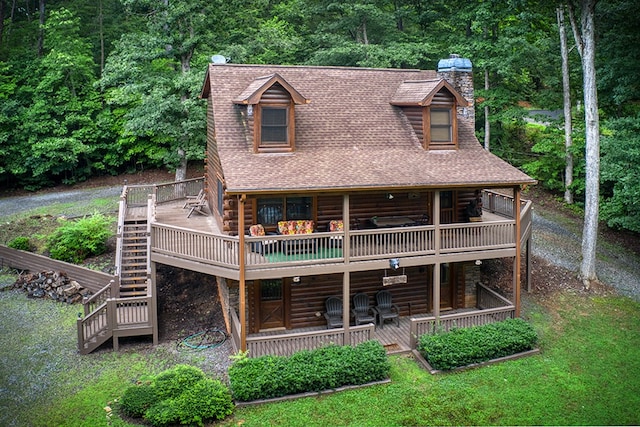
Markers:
point(206, 399)
point(137, 399)
point(181, 395)
point(308, 370)
point(21, 243)
point(465, 346)
point(172, 382)
point(75, 241)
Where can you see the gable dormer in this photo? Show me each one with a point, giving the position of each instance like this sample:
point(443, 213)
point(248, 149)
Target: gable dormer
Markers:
point(270, 103)
point(431, 107)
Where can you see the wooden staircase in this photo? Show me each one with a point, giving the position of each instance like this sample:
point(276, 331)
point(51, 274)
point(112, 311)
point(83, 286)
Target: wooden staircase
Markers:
point(127, 305)
point(134, 264)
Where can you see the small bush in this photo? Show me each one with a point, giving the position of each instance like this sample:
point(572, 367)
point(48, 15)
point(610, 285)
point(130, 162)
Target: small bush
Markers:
point(206, 399)
point(137, 399)
point(21, 243)
point(465, 346)
point(325, 368)
point(75, 241)
point(181, 395)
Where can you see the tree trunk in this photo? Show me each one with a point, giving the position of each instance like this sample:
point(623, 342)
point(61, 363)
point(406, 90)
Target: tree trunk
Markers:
point(587, 47)
point(566, 95)
point(487, 125)
point(181, 170)
point(41, 29)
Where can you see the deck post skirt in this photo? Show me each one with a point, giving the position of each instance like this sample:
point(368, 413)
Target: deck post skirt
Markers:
point(516, 265)
point(241, 256)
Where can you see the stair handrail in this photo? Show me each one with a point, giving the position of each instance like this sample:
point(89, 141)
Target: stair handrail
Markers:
point(151, 217)
point(122, 210)
point(91, 303)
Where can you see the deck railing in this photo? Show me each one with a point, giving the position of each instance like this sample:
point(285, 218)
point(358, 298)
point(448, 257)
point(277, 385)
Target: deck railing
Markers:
point(430, 324)
point(289, 343)
point(178, 190)
point(473, 236)
point(195, 245)
point(137, 195)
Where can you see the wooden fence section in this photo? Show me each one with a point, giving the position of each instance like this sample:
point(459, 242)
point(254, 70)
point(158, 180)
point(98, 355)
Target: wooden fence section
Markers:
point(288, 343)
point(91, 280)
point(430, 325)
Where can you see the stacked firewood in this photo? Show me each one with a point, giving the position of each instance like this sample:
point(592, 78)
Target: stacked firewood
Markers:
point(54, 285)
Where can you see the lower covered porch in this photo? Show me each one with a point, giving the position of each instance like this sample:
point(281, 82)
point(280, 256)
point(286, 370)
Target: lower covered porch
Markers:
point(401, 337)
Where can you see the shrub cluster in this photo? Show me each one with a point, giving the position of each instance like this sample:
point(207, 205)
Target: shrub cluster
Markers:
point(308, 370)
point(77, 240)
point(21, 243)
point(465, 346)
point(183, 394)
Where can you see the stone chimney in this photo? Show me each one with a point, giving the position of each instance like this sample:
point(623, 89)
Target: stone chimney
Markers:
point(459, 72)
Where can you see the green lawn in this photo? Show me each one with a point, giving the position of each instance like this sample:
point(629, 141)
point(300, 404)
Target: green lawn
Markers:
point(588, 373)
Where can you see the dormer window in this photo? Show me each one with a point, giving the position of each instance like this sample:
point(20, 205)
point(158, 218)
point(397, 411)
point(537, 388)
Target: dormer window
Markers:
point(430, 106)
point(271, 104)
point(274, 126)
point(441, 125)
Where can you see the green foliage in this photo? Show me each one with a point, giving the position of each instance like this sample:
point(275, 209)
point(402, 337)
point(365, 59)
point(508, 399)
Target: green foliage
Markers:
point(325, 368)
point(21, 243)
point(183, 394)
point(76, 240)
point(203, 400)
point(620, 173)
point(136, 400)
point(171, 383)
point(465, 346)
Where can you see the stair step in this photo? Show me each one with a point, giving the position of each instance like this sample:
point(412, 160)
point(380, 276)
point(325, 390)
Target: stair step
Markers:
point(134, 294)
point(129, 263)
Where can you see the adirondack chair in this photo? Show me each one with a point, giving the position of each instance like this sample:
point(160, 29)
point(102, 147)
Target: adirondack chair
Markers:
point(361, 310)
point(192, 199)
point(197, 205)
point(334, 312)
point(386, 309)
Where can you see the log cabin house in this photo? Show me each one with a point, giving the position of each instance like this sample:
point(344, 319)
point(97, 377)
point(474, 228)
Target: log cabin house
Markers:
point(327, 182)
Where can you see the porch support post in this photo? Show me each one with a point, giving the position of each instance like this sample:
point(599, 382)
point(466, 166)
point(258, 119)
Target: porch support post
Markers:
point(153, 315)
point(346, 277)
point(517, 260)
point(242, 287)
point(436, 266)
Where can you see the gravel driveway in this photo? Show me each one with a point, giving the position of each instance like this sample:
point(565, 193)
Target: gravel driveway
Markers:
point(560, 244)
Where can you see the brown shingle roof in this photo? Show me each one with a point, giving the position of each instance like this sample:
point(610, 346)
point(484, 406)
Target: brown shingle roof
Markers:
point(420, 93)
point(348, 137)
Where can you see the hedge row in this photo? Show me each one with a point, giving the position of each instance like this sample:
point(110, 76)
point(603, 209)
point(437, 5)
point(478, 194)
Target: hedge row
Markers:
point(183, 394)
point(308, 370)
point(465, 346)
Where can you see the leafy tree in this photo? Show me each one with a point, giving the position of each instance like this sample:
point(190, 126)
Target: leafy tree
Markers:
point(149, 78)
point(56, 135)
point(621, 173)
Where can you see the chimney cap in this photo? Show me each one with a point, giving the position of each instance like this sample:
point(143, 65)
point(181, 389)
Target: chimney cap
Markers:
point(455, 63)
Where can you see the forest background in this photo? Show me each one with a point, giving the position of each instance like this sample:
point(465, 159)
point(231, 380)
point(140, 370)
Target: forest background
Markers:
point(95, 87)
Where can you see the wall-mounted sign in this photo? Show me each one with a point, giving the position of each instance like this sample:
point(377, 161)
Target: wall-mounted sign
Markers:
point(394, 280)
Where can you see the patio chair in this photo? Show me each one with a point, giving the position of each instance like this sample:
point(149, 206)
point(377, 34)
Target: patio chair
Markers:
point(264, 247)
point(386, 309)
point(362, 311)
point(197, 205)
point(334, 312)
point(193, 199)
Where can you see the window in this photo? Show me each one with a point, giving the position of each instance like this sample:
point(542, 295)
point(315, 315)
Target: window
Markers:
point(274, 209)
point(441, 125)
point(274, 125)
